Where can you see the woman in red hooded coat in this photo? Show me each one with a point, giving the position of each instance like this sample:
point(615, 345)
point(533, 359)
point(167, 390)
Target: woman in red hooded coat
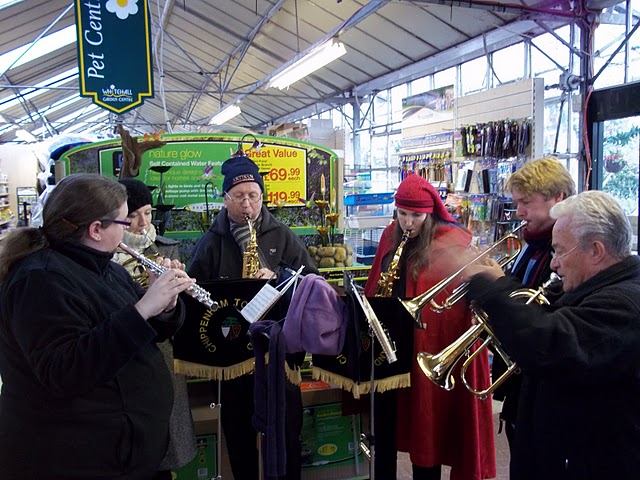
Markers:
point(434, 426)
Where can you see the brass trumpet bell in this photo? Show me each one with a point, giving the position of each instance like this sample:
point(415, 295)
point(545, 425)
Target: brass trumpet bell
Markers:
point(415, 305)
point(439, 367)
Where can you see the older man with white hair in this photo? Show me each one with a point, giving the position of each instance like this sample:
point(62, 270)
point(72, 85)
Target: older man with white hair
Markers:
point(579, 413)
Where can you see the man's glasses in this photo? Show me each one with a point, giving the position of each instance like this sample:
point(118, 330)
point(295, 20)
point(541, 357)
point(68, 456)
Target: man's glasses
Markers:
point(253, 197)
point(557, 257)
point(124, 223)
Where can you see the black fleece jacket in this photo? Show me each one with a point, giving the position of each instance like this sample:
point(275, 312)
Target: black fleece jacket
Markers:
point(86, 393)
point(578, 416)
point(217, 256)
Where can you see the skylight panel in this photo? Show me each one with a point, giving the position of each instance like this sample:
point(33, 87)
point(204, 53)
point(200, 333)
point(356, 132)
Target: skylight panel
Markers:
point(38, 89)
point(33, 51)
point(8, 3)
point(87, 124)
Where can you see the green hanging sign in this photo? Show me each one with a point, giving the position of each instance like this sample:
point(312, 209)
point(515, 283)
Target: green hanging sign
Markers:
point(114, 52)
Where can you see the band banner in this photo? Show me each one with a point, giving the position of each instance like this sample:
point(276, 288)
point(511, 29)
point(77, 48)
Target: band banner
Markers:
point(351, 369)
point(114, 52)
point(215, 344)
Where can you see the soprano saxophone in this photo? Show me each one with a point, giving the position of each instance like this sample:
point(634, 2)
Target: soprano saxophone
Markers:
point(250, 261)
point(385, 282)
point(196, 291)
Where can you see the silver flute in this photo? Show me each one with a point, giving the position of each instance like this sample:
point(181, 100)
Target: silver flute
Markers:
point(196, 291)
point(381, 333)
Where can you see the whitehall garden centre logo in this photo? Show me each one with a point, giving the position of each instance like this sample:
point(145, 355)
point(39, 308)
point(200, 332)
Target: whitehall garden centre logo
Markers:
point(114, 52)
point(122, 8)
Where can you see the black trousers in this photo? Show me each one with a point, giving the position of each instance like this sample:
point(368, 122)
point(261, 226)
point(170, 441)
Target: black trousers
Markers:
point(237, 410)
point(386, 450)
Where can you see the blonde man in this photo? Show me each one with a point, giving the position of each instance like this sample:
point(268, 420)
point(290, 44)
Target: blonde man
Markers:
point(535, 188)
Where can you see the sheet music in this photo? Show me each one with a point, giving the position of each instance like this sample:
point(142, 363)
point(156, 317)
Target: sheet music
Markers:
point(259, 305)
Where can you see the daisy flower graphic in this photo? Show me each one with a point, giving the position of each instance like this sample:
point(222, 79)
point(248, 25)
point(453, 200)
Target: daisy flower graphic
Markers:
point(122, 8)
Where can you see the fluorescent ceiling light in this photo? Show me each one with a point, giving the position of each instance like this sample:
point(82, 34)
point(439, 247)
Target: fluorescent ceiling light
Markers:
point(315, 59)
point(224, 115)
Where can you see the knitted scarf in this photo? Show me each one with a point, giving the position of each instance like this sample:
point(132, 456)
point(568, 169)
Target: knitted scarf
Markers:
point(242, 234)
point(534, 257)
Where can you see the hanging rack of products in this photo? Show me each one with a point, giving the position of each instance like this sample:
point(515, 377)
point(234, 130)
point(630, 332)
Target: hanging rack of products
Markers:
point(471, 173)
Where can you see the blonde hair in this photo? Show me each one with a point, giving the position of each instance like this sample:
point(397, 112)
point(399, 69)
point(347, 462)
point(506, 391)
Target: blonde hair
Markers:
point(546, 176)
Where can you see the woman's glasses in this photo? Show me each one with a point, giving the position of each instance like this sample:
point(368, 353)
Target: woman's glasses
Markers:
point(124, 223)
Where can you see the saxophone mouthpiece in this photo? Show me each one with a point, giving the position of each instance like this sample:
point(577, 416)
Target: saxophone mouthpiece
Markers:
point(146, 235)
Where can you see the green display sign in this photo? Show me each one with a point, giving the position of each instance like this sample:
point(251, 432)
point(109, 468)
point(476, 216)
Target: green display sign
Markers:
point(114, 52)
point(189, 173)
point(185, 176)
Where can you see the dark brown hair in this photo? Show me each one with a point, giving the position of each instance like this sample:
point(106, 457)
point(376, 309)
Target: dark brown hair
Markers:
point(419, 255)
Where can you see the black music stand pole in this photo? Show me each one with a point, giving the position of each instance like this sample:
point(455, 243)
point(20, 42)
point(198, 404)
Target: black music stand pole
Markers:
point(218, 405)
point(347, 282)
point(372, 436)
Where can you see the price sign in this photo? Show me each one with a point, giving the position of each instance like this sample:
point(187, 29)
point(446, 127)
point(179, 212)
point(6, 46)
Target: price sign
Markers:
point(286, 177)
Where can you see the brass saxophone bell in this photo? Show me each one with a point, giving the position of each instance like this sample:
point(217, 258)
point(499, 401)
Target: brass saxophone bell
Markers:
point(385, 282)
point(250, 260)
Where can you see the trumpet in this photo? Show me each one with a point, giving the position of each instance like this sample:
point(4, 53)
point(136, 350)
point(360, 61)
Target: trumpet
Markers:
point(196, 291)
point(439, 367)
point(415, 305)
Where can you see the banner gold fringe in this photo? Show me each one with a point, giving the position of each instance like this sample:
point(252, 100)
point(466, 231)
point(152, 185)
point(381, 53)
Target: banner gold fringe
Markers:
point(213, 373)
point(380, 386)
point(293, 374)
point(229, 373)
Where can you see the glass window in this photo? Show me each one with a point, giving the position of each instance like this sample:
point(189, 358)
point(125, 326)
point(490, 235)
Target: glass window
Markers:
point(545, 50)
point(607, 38)
point(508, 64)
point(444, 78)
point(397, 94)
point(474, 76)
point(419, 85)
point(620, 159)
point(381, 108)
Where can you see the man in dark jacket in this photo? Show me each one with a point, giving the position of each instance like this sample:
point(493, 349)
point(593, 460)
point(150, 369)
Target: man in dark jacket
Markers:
point(535, 188)
point(578, 416)
point(219, 255)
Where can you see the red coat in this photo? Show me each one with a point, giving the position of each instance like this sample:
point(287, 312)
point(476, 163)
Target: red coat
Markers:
point(437, 427)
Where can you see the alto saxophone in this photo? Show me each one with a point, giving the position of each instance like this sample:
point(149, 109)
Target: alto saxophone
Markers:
point(250, 261)
point(196, 291)
point(385, 282)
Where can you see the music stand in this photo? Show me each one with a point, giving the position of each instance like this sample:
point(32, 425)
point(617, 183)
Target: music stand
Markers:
point(376, 330)
point(267, 297)
point(212, 345)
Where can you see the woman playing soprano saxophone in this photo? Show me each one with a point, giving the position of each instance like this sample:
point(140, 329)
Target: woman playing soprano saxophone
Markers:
point(436, 427)
point(86, 393)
